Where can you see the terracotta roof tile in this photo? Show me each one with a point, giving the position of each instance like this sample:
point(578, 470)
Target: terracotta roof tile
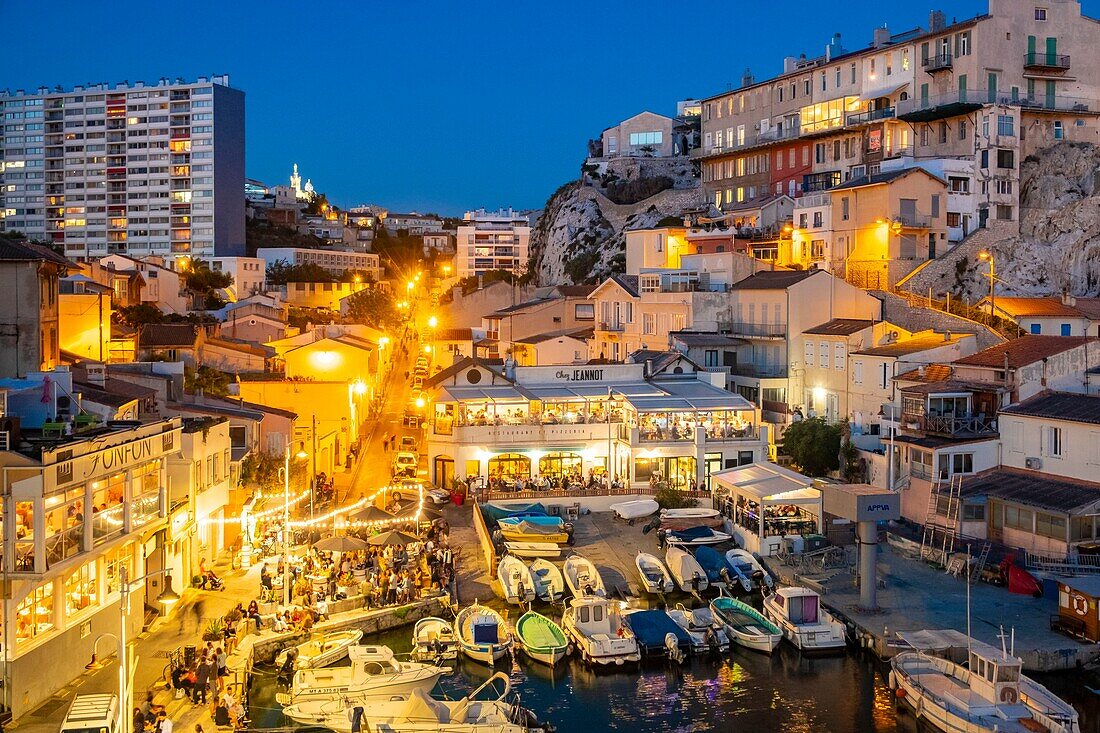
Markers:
point(1023, 351)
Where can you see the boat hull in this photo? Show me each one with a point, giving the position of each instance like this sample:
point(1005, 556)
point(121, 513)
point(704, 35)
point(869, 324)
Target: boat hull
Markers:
point(339, 644)
point(808, 639)
point(484, 652)
point(533, 549)
point(657, 580)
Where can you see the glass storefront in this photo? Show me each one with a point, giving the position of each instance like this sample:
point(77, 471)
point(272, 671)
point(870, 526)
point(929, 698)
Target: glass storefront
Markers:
point(682, 426)
point(509, 466)
point(81, 589)
point(107, 508)
point(64, 525)
point(677, 471)
point(34, 615)
point(559, 464)
point(145, 506)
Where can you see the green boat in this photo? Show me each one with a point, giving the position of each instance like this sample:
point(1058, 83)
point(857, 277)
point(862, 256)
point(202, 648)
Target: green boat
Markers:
point(745, 625)
point(541, 639)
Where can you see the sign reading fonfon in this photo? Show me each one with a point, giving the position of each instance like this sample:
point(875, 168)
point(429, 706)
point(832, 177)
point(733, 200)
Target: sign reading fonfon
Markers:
point(115, 458)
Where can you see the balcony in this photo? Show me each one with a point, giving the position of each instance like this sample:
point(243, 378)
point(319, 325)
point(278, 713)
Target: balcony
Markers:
point(874, 115)
point(753, 330)
point(530, 435)
point(951, 426)
point(613, 326)
point(939, 62)
point(1046, 62)
point(760, 371)
point(913, 221)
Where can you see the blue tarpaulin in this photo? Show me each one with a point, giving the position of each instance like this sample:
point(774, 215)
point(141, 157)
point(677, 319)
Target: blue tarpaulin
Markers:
point(713, 563)
point(651, 627)
point(493, 512)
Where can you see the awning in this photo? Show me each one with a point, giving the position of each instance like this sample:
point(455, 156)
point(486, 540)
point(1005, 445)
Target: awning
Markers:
point(767, 482)
point(886, 91)
point(500, 393)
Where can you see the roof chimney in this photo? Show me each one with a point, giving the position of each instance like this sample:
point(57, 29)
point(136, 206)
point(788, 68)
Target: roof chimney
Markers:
point(882, 37)
point(97, 374)
point(746, 78)
point(1068, 299)
point(936, 21)
point(946, 335)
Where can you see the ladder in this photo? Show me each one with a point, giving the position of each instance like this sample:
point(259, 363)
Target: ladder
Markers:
point(940, 531)
point(979, 564)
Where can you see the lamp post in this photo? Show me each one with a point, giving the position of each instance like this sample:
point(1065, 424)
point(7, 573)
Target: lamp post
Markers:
point(987, 255)
point(167, 597)
point(286, 521)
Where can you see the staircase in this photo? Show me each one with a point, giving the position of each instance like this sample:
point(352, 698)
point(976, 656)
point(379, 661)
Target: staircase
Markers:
point(940, 531)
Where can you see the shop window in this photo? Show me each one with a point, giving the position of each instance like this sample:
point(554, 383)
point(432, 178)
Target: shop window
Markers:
point(107, 508)
point(80, 589)
point(559, 465)
point(34, 615)
point(118, 560)
point(1050, 525)
point(145, 506)
point(24, 536)
point(510, 466)
point(1018, 518)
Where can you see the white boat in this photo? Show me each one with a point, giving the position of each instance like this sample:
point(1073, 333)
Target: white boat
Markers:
point(320, 650)
point(653, 573)
point(804, 622)
point(990, 694)
point(596, 627)
point(515, 581)
point(745, 625)
point(690, 513)
point(696, 536)
point(534, 549)
point(582, 577)
point(482, 634)
point(433, 638)
point(373, 671)
point(634, 510)
point(685, 570)
point(700, 626)
point(549, 583)
point(749, 569)
point(417, 712)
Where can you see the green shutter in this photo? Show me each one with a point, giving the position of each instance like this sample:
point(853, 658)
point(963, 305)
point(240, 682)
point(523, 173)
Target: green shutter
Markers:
point(992, 88)
point(1052, 51)
point(1031, 90)
point(962, 87)
point(924, 95)
point(1051, 86)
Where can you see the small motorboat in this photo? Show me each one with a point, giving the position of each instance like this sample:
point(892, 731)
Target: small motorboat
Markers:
point(515, 581)
point(681, 519)
point(483, 634)
point(596, 627)
point(750, 569)
point(654, 574)
point(686, 570)
point(534, 549)
point(720, 573)
point(582, 578)
point(525, 529)
point(696, 536)
point(417, 712)
point(541, 520)
point(745, 625)
point(549, 583)
point(541, 639)
point(990, 694)
point(320, 650)
point(373, 671)
point(691, 512)
point(798, 613)
point(699, 625)
point(632, 511)
point(433, 638)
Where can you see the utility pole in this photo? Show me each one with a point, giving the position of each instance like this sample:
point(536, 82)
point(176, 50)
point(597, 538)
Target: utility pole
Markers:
point(286, 526)
point(313, 483)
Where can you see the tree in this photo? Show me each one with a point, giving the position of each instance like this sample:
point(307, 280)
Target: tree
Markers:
point(139, 315)
point(374, 307)
point(814, 445)
point(207, 380)
point(282, 272)
point(203, 283)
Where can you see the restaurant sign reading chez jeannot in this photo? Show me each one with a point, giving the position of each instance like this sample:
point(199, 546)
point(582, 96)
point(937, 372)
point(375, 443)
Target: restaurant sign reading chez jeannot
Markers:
point(115, 458)
point(580, 375)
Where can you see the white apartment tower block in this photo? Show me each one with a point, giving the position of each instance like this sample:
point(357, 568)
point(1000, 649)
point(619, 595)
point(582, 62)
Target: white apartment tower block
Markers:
point(492, 240)
point(131, 169)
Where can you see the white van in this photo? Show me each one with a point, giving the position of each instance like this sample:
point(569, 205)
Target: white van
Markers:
point(92, 714)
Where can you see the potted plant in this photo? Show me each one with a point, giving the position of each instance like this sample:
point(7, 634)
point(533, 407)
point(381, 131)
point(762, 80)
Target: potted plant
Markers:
point(215, 631)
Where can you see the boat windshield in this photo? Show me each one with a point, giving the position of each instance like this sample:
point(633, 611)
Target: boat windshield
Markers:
point(1010, 673)
point(802, 609)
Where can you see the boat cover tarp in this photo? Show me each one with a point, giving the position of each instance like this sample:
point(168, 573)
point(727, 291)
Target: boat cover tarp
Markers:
point(493, 512)
point(651, 627)
point(546, 521)
point(485, 633)
point(713, 563)
point(530, 528)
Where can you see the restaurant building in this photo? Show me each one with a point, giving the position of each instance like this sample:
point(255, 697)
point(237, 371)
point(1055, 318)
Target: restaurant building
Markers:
point(78, 508)
point(661, 419)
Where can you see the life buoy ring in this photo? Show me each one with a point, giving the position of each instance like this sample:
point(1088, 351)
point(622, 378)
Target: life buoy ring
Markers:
point(1080, 604)
point(1009, 695)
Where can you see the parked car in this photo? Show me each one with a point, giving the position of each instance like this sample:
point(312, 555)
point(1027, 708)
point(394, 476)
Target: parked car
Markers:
point(405, 463)
point(408, 443)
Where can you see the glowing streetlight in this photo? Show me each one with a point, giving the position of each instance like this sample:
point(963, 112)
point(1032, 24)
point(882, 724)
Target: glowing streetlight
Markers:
point(433, 322)
point(358, 279)
point(428, 349)
point(383, 341)
point(986, 256)
point(420, 403)
point(409, 286)
point(446, 269)
point(358, 387)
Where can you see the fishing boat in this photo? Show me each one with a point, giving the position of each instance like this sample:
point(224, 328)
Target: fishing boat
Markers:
point(596, 627)
point(525, 529)
point(320, 650)
point(634, 510)
point(417, 712)
point(745, 625)
point(515, 581)
point(373, 671)
point(433, 638)
point(798, 613)
point(691, 512)
point(696, 536)
point(654, 574)
point(541, 639)
point(989, 694)
point(582, 578)
point(699, 626)
point(720, 573)
point(658, 635)
point(686, 570)
point(534, 549)
point(549, 583)
point(483, 634)
point(749, 568)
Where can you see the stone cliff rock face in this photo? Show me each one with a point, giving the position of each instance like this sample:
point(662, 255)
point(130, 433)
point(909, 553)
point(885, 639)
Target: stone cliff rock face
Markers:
point(1057, 245)
point(580, 236)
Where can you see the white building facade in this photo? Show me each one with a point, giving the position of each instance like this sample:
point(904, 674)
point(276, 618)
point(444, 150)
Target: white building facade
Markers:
point(492, 240)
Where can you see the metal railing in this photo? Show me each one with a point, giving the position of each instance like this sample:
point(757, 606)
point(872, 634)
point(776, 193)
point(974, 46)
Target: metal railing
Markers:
point(759, 370)
point(1067, 564)
point(939, 62)
point(1046, 60)
point(766, 330)
point(953, 426)
point(913, 221)
point(862, 118)
point(616, 326)
point(979, 97)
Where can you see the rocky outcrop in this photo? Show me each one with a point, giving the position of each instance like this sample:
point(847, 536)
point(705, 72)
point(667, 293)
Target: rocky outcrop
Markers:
point(580, 237)
point(1056, 246)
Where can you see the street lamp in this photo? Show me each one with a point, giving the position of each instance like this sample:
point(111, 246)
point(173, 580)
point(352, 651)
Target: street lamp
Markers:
point(986, 255)
point(433, 322)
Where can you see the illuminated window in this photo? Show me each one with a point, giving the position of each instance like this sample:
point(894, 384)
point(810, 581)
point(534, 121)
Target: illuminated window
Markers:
point(34, 615)
point(80, 589)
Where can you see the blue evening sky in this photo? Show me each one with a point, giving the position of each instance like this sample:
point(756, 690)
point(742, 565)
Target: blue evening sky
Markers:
point(434, 106)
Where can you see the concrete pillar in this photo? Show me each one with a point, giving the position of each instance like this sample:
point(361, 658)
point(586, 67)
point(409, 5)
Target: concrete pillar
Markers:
point(868, 551)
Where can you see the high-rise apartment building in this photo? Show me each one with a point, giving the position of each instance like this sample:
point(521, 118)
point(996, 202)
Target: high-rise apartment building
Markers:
point(492, 240)
point(131, 169)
